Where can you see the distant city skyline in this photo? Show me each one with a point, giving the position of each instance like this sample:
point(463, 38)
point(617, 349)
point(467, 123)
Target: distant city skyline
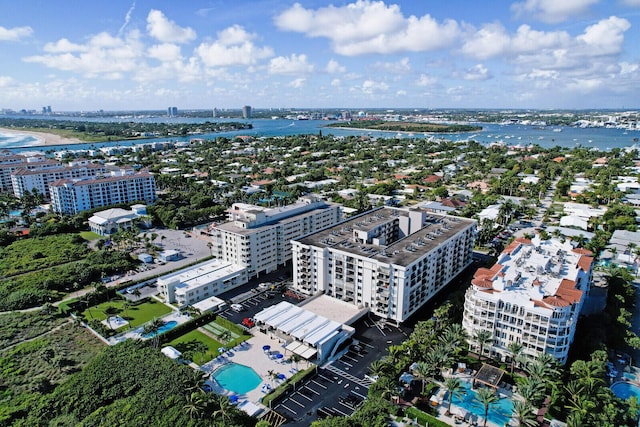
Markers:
point(206, 54)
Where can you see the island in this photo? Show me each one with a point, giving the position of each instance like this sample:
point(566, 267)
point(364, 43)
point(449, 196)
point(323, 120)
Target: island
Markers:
point(400, 126)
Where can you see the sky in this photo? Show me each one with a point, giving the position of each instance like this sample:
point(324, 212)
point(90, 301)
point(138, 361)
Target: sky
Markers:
point(201, 54)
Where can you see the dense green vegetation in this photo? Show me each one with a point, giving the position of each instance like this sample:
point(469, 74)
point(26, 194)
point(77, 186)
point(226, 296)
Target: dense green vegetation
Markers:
point(406, 126)
point(16, 327)
point(38, 253)
point(32, 369)
point(37, 287)
point(133, 384)
point(113, 131)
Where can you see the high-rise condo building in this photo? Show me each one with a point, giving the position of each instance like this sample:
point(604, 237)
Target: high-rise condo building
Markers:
point(531, 296)
point(259, 238)
point(392, 261)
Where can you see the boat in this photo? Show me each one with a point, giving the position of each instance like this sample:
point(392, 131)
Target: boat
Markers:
point(557, 129)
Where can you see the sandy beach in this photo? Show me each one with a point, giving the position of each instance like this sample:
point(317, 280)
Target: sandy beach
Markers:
point(44, 138)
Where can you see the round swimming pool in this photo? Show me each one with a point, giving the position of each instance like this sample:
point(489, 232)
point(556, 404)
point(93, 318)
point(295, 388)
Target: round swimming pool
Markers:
point(237, 378)
point(625, 390)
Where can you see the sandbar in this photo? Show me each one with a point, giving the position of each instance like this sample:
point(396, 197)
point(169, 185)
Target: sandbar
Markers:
point(44, 138)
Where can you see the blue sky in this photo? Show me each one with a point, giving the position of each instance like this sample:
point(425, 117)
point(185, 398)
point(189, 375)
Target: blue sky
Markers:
point(126, 55)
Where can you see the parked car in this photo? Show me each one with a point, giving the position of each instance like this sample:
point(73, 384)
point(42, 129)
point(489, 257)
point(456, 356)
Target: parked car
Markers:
point(248, 322)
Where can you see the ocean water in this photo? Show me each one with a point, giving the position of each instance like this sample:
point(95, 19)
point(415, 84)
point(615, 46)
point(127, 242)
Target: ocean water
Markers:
point(11, 140)
point(518, 135)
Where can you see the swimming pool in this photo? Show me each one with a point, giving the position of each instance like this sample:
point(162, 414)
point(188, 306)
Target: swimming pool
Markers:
point(162, 329)
point(499, 413)
point(237, 378)
point(625, 390)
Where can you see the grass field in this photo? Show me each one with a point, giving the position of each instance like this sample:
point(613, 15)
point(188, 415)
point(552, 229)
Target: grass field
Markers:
point(136, 315)
point(90, 235)
point(187, 342)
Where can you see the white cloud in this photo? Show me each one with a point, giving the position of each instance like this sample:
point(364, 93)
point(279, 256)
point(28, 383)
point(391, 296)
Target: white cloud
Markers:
point(64, 45)
point(401, 92)
point(627, 68)
point(491, 40)
point(165, 52)
point(402, 66)
point(336, 82)
point(333, 67)
point(606, 36)
point(298, 83)
point(234, 47)
point(425, 80)
point(476, 73)
point(547, 49)
point(14, 34)
point(127, 18)
point(369, 27)
point(166, 30)
point(234, 35)
point(294, 64)
point(103, 55)
point(552, 11)
point(372, 86)
point(5, 81)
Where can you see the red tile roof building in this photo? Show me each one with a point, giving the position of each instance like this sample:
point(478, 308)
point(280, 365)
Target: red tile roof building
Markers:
point(532, 295)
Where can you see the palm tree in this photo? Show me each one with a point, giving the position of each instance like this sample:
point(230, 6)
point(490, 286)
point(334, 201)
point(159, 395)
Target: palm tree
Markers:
point(514, 348)
point(224, 408)
point(423, 371)
point(379, 367)
point(395, 352)
point(487, 397)
point(195, 406)
point(454, 336)
point(295, 358)
point(589, 374)
point(273, 375)
point(483, 337)
point(530, 390)
point(152, 329)
point(454, 388)
point(125, 306)
point(523, 414)
point(581, 405)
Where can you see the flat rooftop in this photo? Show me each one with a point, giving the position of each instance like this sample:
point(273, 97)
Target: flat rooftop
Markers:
point(206, 271)
point(333, 309)
point(435, 230)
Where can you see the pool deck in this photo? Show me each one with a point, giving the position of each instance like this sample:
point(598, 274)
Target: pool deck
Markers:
point(451, 419)
point(250, 354)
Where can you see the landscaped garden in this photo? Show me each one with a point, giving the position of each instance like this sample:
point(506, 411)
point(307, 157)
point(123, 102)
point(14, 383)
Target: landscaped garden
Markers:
point(135, 314)
point(197, 346)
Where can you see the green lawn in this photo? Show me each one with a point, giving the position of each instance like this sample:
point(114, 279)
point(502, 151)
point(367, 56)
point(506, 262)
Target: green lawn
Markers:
point(136, 315)
point(186, 342)
point(90, 235)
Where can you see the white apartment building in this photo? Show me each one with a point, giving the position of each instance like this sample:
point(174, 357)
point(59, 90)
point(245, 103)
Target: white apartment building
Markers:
point(532, 296)
point(389, 260)
point(70, 196)
point(259, 238)
point(10, 162)
point(201, 281)
point(24, 179)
